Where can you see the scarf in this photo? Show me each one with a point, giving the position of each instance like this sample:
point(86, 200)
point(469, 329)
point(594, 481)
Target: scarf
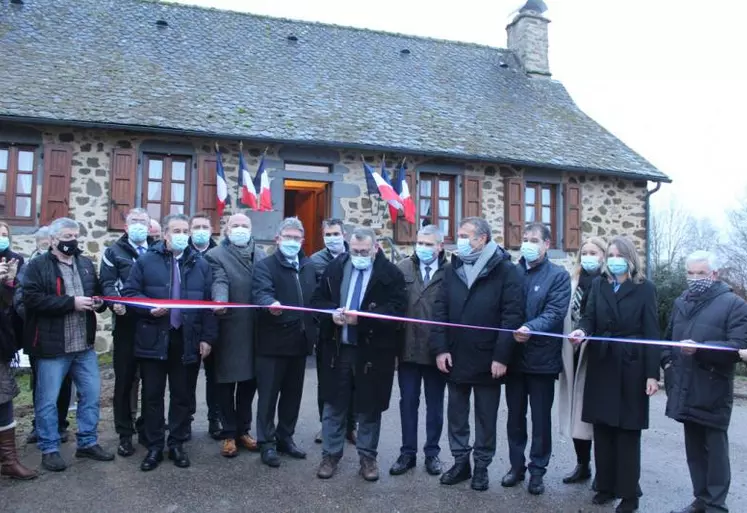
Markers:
point(476, 262)
point(584, 282)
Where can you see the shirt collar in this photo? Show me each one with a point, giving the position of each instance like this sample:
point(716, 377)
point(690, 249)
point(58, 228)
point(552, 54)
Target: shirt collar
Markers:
point(144, 245)
point(433, 265)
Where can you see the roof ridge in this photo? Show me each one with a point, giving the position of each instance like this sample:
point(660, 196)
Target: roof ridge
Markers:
point(322, 24)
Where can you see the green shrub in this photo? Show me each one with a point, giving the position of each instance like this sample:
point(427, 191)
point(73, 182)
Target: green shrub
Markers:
point(670, 282)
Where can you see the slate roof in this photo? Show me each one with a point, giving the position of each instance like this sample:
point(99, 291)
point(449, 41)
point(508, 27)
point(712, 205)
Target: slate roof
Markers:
point(237, 75)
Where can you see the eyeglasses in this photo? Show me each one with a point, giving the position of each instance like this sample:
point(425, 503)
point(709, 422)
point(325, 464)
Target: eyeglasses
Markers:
point(361, 252)
point(291, 237)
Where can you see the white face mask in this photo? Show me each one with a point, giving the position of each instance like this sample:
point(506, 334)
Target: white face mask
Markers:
point(335, 243)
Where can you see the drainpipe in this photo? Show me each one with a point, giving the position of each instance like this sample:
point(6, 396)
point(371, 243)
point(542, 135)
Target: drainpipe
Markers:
point(649, 193)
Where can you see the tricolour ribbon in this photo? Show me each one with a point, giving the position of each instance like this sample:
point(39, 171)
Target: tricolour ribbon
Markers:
point(188, 304)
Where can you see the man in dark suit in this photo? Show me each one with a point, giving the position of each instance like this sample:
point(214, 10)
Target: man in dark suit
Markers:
point(358, 350)
point(281, 347)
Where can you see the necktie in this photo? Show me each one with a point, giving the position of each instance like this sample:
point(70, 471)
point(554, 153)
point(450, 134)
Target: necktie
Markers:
point(355, 303)
point(427, 275)
point(140, 250)
point(175, 314)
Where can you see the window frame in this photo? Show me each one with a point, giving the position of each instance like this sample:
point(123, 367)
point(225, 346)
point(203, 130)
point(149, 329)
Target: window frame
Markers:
point(314, 168)
point(538, 205)
point(11, 183)
point(166, 181)
point(435, 197)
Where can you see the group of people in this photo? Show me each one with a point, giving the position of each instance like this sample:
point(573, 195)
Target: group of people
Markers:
point(535, 318)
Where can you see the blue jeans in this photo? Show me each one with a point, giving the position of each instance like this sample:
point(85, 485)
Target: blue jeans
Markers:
point(410, 376)
point(84, 369)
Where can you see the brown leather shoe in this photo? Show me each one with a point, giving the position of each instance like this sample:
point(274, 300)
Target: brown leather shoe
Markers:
point(328, 467)
point(369, 469)
point(9, 464)
point(248, 443)
point(228, 450)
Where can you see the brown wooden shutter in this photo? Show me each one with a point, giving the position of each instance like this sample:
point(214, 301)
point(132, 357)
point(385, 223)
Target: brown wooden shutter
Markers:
point(472, 196)
point(58, 168)
point(122, 179)
point(513, 199)
point(207, 189)
point(572, 217)
point(404, 232)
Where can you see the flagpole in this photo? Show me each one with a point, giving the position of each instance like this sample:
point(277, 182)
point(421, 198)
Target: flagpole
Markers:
point(238, 176)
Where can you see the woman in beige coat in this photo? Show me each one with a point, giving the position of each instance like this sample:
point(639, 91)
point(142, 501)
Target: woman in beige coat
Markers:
point(573, 377)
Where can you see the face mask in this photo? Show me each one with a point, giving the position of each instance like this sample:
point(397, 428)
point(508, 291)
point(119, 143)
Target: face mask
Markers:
point(290, 248)
point(699, 286)
point(68, 247)
point(530, 251)
point(360, 262)
point(464, 247)
point(179, 241)
point(590, 263)
point(335, 243)
point(201, 237)
point(425, 254)
point(617, 265)
point(137, 233)
point(4, 243)
point(240, 236)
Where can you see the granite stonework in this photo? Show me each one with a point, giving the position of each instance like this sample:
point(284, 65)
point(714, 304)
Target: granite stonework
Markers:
point(610, 206)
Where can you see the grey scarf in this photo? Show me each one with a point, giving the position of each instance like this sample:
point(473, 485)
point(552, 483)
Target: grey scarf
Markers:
point(475, 263)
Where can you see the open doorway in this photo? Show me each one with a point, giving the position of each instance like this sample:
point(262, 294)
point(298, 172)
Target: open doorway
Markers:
point(310, 202)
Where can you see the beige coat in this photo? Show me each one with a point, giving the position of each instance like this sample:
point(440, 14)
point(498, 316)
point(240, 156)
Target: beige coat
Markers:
point(571, 389)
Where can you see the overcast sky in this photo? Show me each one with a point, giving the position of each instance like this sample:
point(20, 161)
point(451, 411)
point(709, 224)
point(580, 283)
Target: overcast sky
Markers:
point(666, 76)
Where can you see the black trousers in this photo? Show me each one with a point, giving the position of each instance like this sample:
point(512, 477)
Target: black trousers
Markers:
point(63, 400)
point(538, 391)
point(582, 447)
point(235, 400)
point(211, 394)
point(279, 388)
point(487, 400)
point(125, 376)
point(617, 455)
point(320, 402)
point(708, 458)
point(154, 374)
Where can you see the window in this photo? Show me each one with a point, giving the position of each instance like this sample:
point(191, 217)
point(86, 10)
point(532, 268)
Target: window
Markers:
point(539, 206)
point(18, 183)
point(306, 168)
point(436, 203)
point(166, 185)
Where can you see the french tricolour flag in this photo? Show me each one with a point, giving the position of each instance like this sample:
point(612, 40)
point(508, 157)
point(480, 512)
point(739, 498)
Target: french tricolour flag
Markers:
point(385, 189)
point(262, 186)
point(403, 189)
point(395, 205)
point(246, 186)
point(221, 187)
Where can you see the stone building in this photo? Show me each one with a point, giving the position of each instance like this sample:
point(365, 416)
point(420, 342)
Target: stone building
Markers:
point(111, 104)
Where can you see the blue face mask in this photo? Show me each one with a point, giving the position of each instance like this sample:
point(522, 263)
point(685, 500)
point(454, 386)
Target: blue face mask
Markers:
point(360, 262)
point(4, 243)
point(590, 263)
point(240, 236)
point(617, 265)
point(425, 254)
point(137, 232)
point(530, 251)
point(289, 248)
point(201, 237)
point(179, 241)
point(335, 243)
point(464, 247)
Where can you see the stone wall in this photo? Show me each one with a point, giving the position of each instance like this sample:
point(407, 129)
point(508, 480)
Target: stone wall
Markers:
point(610, 206)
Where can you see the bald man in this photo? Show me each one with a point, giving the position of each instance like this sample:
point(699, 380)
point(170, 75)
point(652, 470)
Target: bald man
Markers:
point(154, 230)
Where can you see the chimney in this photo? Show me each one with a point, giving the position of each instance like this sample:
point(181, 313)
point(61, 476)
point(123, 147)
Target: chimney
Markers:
point(527, 38)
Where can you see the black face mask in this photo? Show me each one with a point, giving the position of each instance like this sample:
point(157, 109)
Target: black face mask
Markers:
point(68, 247)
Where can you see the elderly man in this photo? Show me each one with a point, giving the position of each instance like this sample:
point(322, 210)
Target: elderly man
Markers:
point(281, 346)
point(41, 240)
point(356, 350)
point(482, 288)
point(60, 328)
point(424, 273)
point(334, 245)
point(169, 343)
point(154, 230)
point(537, 359)
point(700, 382)
point(233, 264)
point(115, 269)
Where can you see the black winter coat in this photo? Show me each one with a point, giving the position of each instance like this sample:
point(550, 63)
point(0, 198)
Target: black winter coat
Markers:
point(275, 279)
point(496, 300)
point(547, 289)
point(46, 304)
point(700, 387)
point(7, 299)
point(151, 277)
point(615, 391)
point(377, 346)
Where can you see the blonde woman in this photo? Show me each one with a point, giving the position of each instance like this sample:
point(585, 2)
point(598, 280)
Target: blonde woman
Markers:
point(588, 266)
point(620, 376)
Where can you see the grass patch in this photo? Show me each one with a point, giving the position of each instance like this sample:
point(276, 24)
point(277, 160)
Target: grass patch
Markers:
point(25, 398)
point(105, 359)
